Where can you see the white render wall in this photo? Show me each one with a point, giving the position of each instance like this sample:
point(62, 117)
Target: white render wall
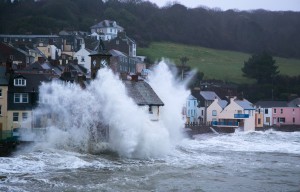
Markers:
point(87, 59)
point(234, 108)
point(213, 106)
point(192, 109)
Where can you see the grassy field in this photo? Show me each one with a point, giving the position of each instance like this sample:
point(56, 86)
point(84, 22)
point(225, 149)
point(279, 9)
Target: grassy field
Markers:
point(215, 64)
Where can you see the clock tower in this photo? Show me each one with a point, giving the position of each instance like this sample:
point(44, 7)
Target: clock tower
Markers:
point(100, 58)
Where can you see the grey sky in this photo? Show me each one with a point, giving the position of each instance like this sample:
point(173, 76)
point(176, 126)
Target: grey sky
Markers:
point(273, 5)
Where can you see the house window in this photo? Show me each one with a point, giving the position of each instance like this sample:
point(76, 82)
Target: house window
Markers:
point(258, 111)
point(214, 112)
point(0, 92)
point(258, 121)
point(266, 111)
point(0, 109)
point(268, 119)
point(195, 103)
point(24, 116)
point(281, 120)
point(274, 110)
point(15, 117)
point(239, 111)
point(21, 98)
point(293, 119)
point(20, 82)
point(150, 110)
point(202, 112)
point(281, 111)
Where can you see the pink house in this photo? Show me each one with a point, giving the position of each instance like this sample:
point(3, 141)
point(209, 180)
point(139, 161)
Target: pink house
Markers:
point(289, 115)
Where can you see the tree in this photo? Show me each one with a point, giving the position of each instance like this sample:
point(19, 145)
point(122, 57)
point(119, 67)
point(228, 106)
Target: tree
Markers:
point(260, 67)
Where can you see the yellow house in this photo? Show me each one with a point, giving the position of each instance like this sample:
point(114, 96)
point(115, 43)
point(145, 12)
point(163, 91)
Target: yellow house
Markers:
point(259, 119)
point(3, 100)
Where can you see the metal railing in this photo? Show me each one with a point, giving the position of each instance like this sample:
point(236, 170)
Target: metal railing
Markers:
point(216, 123)
point(7, 136)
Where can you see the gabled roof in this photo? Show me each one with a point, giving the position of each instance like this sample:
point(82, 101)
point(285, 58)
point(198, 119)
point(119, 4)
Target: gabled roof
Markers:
point(191, 97)
point(107, 23)
point(209, 95)
point(294, 103)
point(222, 103)
point(270, 104)
point(245, 104)
point(142, 93)
point(116, 53)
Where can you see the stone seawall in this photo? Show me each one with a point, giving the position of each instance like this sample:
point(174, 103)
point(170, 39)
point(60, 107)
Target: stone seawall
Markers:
point(284, 128)
point(194, 129)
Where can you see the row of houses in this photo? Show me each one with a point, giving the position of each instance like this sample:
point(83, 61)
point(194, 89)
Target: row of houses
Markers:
point(206, 107)
point(26, 49)
point(27, 61)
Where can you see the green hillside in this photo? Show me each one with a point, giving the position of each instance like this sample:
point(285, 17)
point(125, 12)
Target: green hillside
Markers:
point(215, 64)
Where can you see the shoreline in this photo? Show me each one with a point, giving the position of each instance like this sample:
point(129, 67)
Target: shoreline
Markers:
point(205, 129)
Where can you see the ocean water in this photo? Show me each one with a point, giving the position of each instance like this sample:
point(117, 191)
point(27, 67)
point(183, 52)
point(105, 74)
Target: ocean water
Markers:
point(142, 155)
point(255, 161)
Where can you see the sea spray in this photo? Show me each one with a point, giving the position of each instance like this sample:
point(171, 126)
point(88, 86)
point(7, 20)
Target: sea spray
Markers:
point(76, 117)
point(173, 93)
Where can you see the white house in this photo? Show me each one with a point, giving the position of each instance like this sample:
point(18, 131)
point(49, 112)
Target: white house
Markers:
point(106, 29)
point(50, 51)
point(191, 109)
point(83, 57)
point(238, 113)
point(215, 109)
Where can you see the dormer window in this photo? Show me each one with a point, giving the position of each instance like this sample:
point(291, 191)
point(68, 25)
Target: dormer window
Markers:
point(19, 82)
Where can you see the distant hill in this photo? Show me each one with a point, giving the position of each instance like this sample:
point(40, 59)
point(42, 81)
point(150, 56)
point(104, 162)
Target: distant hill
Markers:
point(244, 31)
point(215, 64)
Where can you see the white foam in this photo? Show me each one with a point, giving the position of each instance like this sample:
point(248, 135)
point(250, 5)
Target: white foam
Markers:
point(105, 101)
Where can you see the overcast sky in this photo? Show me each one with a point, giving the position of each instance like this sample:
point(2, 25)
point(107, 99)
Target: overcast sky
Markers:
point(273, 5)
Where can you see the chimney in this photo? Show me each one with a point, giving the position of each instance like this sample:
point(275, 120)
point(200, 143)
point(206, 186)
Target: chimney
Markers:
point(9, 68)
point(75, 61)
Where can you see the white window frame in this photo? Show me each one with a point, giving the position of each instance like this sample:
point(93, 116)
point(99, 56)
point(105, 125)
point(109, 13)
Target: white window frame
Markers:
point(15, 117)
point(214, 112)
point(24, 116)
point(19, 82)
point(22, 98)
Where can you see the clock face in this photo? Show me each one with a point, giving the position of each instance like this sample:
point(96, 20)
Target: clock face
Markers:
point(104, 63)
point(94, 62)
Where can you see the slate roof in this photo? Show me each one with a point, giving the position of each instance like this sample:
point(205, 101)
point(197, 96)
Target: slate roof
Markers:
point(33, 81)
point(209, 95)
point(142, 93)
point(222, 103)
point(270, 104)
point(3, 79)
point(245, 104)
point(116, 53)
point(294, 103)
point(191, 97)
point(106, 23)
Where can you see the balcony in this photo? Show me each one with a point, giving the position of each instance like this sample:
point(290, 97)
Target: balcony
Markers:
point(225, 124)
point(241, 116)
